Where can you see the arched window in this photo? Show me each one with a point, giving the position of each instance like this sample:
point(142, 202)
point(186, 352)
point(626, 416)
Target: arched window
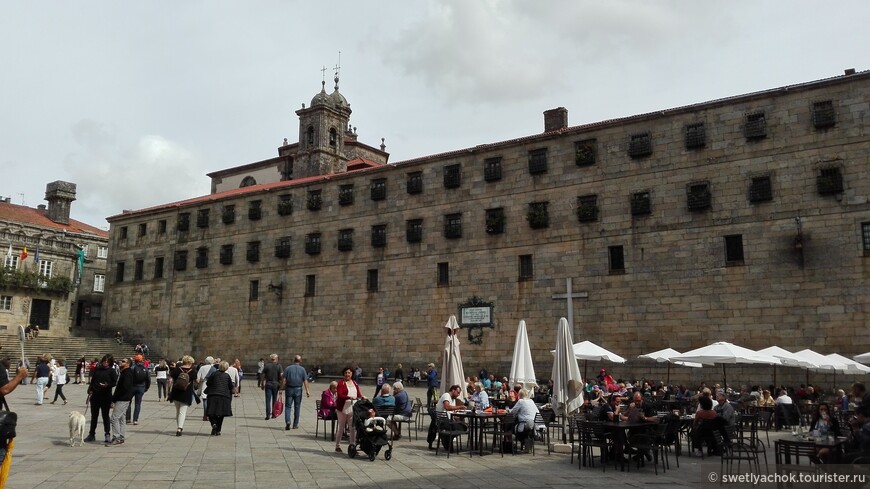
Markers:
point(247, 182)
point(310, 134)
point(333, 137)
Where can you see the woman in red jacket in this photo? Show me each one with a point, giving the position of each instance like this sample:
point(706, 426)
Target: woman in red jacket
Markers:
point(348, 391)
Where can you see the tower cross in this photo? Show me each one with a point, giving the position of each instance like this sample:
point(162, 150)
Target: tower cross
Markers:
point(323, 73)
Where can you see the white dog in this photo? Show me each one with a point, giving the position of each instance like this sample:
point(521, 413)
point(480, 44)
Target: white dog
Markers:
point(76, 428)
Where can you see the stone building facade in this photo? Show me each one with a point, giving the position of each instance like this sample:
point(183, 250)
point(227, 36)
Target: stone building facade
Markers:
point(59, 284)
point(744, 219)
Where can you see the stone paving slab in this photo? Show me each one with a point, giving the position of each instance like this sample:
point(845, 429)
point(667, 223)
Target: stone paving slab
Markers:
point(254, 453)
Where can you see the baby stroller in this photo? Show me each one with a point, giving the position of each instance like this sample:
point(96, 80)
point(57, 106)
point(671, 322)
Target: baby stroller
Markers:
point(370, 442)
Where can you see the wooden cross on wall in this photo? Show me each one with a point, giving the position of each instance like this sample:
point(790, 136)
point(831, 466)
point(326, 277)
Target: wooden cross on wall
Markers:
point(568, 296)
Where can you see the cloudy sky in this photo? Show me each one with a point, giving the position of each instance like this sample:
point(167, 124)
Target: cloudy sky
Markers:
point(136, 101)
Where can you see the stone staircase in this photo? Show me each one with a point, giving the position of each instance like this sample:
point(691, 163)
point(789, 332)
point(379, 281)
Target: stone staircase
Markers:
point(68, 348)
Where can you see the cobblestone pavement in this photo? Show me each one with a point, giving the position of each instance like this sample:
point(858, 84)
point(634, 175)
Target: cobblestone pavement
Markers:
point(254, 453)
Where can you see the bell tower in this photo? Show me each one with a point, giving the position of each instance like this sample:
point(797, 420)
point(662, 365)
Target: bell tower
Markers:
point(321, 134)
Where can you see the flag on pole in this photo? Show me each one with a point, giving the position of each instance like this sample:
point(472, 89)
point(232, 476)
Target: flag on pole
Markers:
point(23, 254)
point(36, 256)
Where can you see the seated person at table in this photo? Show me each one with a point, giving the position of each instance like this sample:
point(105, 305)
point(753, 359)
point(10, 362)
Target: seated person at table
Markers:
point(385, 399)
point(725, 410)
point(640, 411)
point(605, 380)
point(612, 410)
point(860, 426)
point(824, 424)
point(703, 425)
point(480, 398)
point(542, 396)
point(766, 399)
point(810, 394)
point(842, 402)
point(446, 403)
point(374, 422)
point(525, 410)
point(596, 396)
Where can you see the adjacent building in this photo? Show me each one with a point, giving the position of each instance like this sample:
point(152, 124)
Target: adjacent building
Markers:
point(54, 272)
point(743, 219)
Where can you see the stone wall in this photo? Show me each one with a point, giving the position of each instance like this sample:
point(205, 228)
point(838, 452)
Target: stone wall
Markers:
point(676, 289)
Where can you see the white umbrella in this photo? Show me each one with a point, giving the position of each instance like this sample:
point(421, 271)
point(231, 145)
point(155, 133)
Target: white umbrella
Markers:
point(852, 367)
point(724, 353)
point(567, 383)
point(786, 358)
point(819, 361)
point(587, 350)
point(522, 370)
point(452, 372)
point(665, 356)
point(863, 358)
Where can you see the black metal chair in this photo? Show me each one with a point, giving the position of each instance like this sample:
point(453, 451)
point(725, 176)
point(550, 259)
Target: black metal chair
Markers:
point(501, 430)
point(411, 421)
point(593, 435)
point(450, 430)
point(324, 420)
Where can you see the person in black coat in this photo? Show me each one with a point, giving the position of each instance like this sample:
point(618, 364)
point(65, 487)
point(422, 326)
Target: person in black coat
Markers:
point(219, 388)
point(103, 379)
point(124, 392)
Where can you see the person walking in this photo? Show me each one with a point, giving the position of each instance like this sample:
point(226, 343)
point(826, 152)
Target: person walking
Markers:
point(432, 384)
point(40, 379)
point(294, 379)
point(162, 373)
point(220, 398)
point(260, 365)
point(346, 393)
point(124, 392)
point(59, 381)
point(202, 376)
point(80, 366)
point(103, 379)
point(272, 372)
point(181, 390)
point(142, 382)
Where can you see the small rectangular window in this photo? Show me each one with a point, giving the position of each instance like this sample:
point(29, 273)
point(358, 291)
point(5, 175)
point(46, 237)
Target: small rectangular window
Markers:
point(255, 210)
point(379, 189)
point(492, 169)
point(158, 267)
point(415, 182)
point(122, 233)
point(865, 237)
point(372, 280)
point(254, 290)
point(641, 204)
point(616, 259)
point(46, 268)
point(538, 215)
point(96, 311)
point(99, 282)
point(345, 240)
point(640, 145)
point(453, 226)
point(379, 236)
point(443, 274)
point(824, 115)
point(314, 200)
point(698, 196)
point(310, 285)
point(495, 221)
point(285, 205)
point(587, 208)
point(414, 230)
point(755, 126)
point(345, 194)
point(183, 221)
point(734, 249)
point(526, 270)
point(585, 152)
point(161, 226)
point(102, 252)
point(696, 136)
point(312, 244)
point(11, 262)
point(229, 214)
point(181, 260)
point(253, 252)
point(829, 181)
point(452, 176)
point(538, 161)
point(139, 269)
point(143, 229)
point(226, 257)
point(202, 257)
point(6, 302)
point(202, 217)
point(760, 190)
point(119, 272)
point(282, 247)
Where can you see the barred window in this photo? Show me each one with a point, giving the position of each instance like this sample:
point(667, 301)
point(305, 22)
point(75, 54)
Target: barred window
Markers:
point(865, 237)
point(282, 247)
point(183, 221)
point(285, 205)
point(526, 270)
point(312, 244)
point(415, 182)
point(760, 190)
point(452, 176)
point(226, 257)
point(255, 210)
point(315, 200)
point(640, 145)
point(202, 216)
point(755, 126)
point(345, 194)
point(538, 161)
point(202, 257)
point(181, 260)
point(824, 115)
point(495, 221)
point(641, 204)
point(379, 189)
point(696, 136)
point(414, 231)
point(253, 252)
point(587, 208)
point(379, 235)
point(453, 226)
point(229, 214)
point(585, 152)
point(345, 240)
point(492, 169)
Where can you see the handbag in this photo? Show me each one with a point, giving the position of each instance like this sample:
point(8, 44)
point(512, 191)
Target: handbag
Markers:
point(278, 406)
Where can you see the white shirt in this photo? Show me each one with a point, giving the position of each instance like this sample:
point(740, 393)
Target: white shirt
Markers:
point(783, 399)
point(444, 397)
point(233, 372)
point(200, 377)
point(60, 375)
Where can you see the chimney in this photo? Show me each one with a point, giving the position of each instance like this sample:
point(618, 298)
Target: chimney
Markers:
point(849, 71)
point(60, 196)
point(555, 119)
point(41, 207)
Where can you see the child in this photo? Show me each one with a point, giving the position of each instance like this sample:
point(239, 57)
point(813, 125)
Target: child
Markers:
point(374, 422)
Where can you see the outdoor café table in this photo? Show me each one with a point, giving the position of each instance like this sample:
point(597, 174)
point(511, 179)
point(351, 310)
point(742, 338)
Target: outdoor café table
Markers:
point(834, 444)
point(619, 430)
point(475, 421)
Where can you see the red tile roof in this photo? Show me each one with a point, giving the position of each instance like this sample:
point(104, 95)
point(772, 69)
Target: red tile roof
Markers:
point(39, 217)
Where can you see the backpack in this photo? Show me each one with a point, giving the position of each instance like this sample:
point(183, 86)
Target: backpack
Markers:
point(140, 375)
point(182, 382)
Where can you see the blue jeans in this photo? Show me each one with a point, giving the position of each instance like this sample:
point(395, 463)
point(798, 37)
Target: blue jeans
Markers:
point(140, 391)
point(294, 399)
point(271, 390)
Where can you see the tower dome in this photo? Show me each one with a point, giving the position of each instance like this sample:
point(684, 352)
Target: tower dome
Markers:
point(337, 99)
point(321, 98)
